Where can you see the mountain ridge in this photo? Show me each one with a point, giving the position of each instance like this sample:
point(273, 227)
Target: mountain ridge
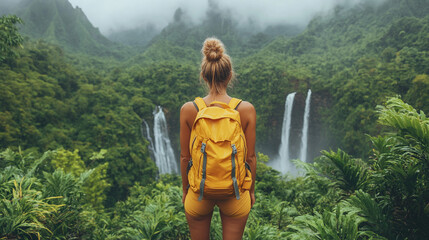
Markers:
point(58, 22)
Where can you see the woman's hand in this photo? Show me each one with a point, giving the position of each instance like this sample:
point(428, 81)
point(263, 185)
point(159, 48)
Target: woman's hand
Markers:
point(252, 198)
point(184, 196)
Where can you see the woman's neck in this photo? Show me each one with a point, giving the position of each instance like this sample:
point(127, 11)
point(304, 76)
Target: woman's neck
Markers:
point(218, 96)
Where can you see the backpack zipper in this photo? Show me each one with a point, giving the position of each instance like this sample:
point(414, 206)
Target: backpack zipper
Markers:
point(245, 154)
point(193, 141)
point(245, 148)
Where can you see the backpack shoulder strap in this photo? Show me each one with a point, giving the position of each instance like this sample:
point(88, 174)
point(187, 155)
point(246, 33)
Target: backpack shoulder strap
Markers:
point(199, 104)
point(233, 104)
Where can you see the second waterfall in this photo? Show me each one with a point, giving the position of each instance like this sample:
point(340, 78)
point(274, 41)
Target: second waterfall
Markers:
point(161, 146)
point(283, 162)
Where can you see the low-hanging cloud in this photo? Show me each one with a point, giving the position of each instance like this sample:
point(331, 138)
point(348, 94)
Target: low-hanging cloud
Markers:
point(114, 15)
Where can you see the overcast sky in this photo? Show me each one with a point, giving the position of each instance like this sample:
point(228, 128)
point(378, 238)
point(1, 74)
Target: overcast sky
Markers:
point(113, 15)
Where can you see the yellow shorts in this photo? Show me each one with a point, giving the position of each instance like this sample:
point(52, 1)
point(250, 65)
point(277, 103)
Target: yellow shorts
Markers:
point(230, 207)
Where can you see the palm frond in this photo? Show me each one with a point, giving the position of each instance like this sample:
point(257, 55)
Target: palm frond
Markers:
point(411, 125)
point(368, 208)
point(25, 212)
point(59, 183)
point(342, 223)
point(350, 174)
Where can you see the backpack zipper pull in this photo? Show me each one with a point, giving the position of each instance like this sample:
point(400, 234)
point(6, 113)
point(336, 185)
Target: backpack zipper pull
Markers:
point(234, 149)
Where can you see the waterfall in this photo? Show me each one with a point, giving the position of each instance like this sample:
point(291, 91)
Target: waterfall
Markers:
point(304, 136)
point(161, 147)
point(284, 157)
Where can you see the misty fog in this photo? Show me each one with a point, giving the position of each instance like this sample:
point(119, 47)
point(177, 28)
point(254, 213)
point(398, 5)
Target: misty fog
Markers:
point(112, 15)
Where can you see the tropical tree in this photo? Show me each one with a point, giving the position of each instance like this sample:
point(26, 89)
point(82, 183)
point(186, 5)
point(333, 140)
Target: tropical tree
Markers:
point(9, 36)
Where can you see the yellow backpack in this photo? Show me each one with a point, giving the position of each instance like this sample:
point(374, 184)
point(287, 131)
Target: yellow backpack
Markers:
point(218, 167)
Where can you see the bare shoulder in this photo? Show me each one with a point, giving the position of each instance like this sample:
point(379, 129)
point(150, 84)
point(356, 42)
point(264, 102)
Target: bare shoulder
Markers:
point(246, 107)
point(247, 115)
point(188, 113)
point(188, 107)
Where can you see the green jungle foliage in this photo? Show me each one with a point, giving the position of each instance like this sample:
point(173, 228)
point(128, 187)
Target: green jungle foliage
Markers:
point(351, 61)
point(86, 172)
point(9, 36)
point(56, 195)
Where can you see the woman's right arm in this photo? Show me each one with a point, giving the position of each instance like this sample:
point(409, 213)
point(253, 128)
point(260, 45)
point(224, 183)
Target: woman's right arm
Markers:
point(187, 116)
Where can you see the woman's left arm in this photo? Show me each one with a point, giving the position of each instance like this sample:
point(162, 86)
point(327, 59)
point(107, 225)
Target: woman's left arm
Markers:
point(248, 116)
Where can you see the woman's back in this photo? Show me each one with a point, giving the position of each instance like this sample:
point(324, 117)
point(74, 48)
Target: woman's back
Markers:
point(246, 110)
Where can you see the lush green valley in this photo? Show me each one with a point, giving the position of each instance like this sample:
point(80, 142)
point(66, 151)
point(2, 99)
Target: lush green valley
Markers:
point(74, 163)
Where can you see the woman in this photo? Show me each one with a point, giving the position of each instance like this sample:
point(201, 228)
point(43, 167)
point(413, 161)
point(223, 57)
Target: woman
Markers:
point(217, 72)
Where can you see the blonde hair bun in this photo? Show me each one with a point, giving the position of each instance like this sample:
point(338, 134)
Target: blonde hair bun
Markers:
point(213, 49)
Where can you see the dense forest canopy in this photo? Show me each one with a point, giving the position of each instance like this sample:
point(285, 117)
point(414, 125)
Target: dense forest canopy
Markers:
point(73, 102)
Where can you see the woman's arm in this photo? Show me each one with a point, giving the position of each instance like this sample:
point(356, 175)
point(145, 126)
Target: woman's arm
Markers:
point(187, 116)
point(248, 120)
